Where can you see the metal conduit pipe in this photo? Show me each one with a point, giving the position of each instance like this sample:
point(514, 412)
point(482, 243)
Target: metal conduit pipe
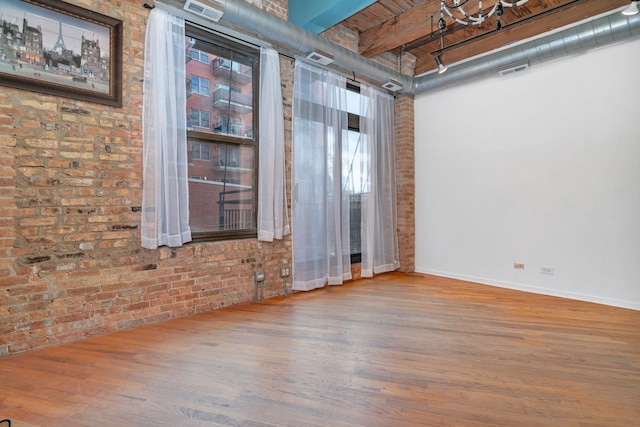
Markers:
point(263, 24)
point(606, 30)
point(579, 39)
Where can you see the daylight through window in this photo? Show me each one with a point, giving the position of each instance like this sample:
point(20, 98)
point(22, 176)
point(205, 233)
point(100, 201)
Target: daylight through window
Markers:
point(222, 142)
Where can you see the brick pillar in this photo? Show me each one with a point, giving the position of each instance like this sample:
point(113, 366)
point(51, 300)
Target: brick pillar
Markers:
point(405, 180)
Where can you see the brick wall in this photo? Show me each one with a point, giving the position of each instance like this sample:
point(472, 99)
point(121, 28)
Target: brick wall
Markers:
point(405, 180)
point(71, 264)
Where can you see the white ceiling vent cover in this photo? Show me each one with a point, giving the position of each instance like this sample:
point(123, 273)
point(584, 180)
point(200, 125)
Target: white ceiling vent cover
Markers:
point(320, 57)
point(205, 8)
point(514, 67)
point(392, 85)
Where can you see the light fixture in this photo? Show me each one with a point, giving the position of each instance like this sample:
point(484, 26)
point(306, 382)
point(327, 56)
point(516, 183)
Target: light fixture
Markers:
point(632, 9)
point(456, 10)
point(441, 26)
point(441, 67)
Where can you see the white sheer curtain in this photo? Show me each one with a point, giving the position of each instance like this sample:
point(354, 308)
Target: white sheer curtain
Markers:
point(321, 247)
point(165, 197)
point(378, 205)
point(273, 220)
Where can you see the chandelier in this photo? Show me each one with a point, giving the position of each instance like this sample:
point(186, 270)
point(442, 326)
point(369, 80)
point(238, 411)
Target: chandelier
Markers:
point(458, 11)
point(471, 12)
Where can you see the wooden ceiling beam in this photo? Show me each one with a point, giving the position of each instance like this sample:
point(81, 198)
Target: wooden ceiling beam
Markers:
point(416, 23)
point(404, 28)
point(522, 31)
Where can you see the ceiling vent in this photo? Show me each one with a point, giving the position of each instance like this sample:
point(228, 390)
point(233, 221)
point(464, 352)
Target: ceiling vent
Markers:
point(392, 85)
point(320, 57)
point(514, 67)
point(205, 8)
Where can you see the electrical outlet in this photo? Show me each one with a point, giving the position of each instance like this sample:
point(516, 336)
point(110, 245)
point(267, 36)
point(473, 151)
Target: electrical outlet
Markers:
point(259, 276)
point(518, 266)
point(284, 271)
point(545, 269)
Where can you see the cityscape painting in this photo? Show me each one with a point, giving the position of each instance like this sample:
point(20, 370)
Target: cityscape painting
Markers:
point(57, 48)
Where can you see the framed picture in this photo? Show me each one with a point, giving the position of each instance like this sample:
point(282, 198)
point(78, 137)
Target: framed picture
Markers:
point(57, 48)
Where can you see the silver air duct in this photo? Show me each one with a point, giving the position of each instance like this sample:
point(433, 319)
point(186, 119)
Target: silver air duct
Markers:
point(613, 28)
point(303, 41)
point(255, 21)
point(572, 41)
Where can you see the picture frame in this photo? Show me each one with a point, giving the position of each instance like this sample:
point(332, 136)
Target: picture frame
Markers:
point(54, 47)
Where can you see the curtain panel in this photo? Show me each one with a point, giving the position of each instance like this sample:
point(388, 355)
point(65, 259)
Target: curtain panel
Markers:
point(335, 169)
point(320, 209)
point(378, 206)
point(273, 220)
point(165, 194)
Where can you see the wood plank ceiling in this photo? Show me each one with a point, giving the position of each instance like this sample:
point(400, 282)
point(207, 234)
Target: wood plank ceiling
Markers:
point(412, 26)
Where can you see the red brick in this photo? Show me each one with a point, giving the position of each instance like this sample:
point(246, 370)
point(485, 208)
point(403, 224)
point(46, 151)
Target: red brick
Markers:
point(57, 205)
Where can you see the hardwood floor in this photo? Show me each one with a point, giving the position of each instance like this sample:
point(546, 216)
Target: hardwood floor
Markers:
point(395, 350)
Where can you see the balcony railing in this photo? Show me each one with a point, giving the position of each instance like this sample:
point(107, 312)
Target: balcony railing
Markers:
point(236, 212)
point(224, 68)
point(234, 101)
point(226, 128)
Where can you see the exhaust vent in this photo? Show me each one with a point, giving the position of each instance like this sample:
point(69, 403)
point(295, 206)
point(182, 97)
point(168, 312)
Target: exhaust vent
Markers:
point(320, 57)
point(392, 85)
point(205, 8)
point(514, 67)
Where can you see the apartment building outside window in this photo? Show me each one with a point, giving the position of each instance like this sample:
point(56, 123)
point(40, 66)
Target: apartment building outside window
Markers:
point(199, 85)
point(199, 56)
point(199, 118)
point(198, 152)
point(222, 109)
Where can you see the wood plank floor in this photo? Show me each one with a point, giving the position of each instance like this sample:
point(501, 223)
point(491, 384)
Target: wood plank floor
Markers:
point(395, 350)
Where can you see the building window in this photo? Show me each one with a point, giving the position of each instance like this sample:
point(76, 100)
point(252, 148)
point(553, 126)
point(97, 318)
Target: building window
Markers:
point(354, 153)
point(229, 156)
point(198, 151)
point(199, 56)
point(199, 85)
point(223, 182)
point(199, 118)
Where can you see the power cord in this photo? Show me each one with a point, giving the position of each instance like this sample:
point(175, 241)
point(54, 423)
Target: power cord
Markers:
point(8, 421)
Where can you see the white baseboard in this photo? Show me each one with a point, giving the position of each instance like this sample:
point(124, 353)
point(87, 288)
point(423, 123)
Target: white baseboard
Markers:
point(534, 289)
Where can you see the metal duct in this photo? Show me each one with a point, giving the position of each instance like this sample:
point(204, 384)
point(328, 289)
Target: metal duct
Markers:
point(600, 32)
point(264, 25)
point(579, 39)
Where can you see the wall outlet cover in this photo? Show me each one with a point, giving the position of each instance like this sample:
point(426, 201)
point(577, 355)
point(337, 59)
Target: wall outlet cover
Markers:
point(545, 269)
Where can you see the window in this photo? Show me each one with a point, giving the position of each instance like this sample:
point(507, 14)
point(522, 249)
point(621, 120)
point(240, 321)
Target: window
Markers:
point(199, 85)
point(199, 56)
point(354, 156)
point(198, 151)
point(229, 156)
point(199, 118)
point(223, 180)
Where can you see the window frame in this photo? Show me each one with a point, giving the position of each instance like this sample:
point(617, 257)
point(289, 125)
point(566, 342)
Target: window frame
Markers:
point(199, 58)
point(196, 136)
point(199, 91)
point(353, 124)
point(200, 151)
point(200, 113)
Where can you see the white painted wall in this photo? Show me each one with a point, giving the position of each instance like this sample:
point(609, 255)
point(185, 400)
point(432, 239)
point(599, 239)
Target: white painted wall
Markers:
point(541, 168)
